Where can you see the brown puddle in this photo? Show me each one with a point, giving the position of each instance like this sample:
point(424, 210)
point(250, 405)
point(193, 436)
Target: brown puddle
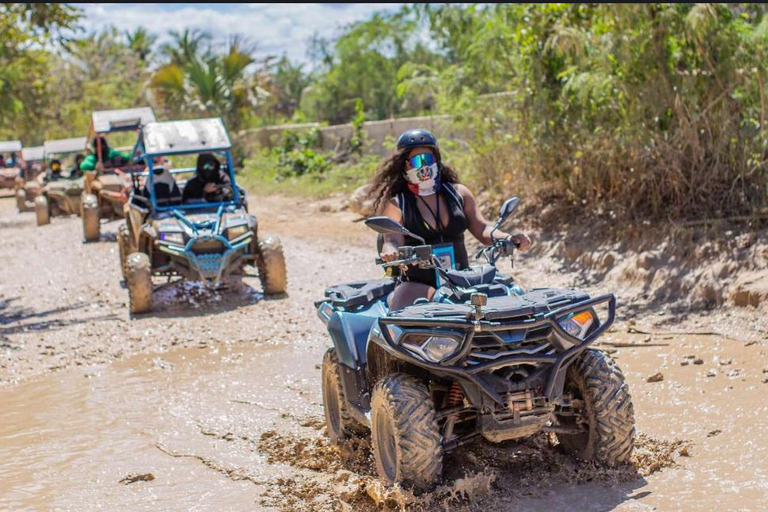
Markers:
point(66, 440)
point(237, 427)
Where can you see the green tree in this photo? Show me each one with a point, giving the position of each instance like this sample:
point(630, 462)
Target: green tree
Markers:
point(141, 42)
point(364, 64)
point(208, 83)
point(24, 65)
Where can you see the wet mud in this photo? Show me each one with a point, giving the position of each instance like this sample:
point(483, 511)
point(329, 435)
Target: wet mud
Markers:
point(212, 401)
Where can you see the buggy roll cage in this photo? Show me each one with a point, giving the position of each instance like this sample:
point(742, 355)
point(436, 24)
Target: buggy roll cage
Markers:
point(104, 122)
point(140, 153)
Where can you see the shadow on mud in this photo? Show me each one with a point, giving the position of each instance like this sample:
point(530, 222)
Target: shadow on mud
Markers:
point(108, 237)
point(20, 316)
point(18, 223)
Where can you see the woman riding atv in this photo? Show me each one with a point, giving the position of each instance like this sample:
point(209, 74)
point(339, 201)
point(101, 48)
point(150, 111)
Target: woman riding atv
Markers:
point(415, 188)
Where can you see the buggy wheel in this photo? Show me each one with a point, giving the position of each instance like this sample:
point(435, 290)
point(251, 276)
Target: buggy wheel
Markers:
point(339, 424)
point(123, 243)
point(21, 200)
point(42, 211)
point(607, 413)
point(91, 221)
point(139, 279)
point(271, 264)
point(407, 445)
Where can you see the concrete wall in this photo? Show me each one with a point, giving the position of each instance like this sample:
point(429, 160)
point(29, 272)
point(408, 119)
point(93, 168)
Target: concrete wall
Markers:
point(377, 133)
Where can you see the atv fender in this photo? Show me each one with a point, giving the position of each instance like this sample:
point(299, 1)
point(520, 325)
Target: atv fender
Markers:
point(349, 332)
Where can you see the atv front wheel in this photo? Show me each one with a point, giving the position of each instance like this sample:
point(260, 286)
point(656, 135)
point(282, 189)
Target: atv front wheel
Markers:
point(21, 200)
point(407, 445)
point(91, 221)
point(607, 413)
point(139, 280)
point(272, 266)
point(42, 211)
point(123, 242)
point(338, 422)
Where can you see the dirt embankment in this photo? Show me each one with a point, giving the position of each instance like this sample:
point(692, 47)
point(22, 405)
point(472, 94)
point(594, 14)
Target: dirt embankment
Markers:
point(217, 395)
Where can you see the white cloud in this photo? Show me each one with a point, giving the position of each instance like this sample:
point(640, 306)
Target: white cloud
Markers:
point(274, 28)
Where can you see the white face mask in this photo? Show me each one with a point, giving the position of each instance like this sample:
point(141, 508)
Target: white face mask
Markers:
point(425, 178)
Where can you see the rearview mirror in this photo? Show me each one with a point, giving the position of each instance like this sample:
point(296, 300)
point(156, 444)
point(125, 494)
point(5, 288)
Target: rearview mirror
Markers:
point(387, 226)
point(508, 207)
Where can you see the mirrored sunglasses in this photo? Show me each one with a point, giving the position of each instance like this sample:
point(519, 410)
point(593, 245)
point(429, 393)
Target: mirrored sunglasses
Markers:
point(422, 160)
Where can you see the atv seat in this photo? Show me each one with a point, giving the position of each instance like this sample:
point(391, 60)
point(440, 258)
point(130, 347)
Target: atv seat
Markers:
point(473, 276)
point(359, 293)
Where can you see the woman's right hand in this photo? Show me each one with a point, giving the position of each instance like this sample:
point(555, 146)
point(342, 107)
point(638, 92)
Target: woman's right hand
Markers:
point(388, 255)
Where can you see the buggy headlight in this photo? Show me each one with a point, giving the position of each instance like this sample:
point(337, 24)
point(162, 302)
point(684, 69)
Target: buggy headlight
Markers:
point(236, 232)
point(173, 238)
point(433, 348)
point(577, 325)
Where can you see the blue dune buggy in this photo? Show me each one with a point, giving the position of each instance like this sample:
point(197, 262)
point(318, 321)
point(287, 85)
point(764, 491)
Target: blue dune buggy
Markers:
point(483, 359)
point(196, 239)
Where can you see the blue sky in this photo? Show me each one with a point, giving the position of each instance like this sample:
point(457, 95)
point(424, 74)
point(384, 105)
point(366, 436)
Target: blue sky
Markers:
point(274, 28)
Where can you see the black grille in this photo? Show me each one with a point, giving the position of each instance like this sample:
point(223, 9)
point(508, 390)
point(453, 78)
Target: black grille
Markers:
point(489, 347)
point(211, 246)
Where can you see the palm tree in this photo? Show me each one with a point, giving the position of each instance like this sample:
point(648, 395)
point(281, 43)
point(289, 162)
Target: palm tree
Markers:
point(141, 42)
point(201, 81)
point(186, 45)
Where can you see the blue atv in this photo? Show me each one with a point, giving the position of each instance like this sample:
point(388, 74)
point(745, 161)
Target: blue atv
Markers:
point(172, 234)
point(483, 359)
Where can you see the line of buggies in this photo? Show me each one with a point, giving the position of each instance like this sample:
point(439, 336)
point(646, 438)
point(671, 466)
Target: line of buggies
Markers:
point(189, 222)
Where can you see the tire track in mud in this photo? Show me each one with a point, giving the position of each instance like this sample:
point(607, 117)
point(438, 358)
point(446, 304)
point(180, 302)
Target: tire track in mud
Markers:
point(330, 476)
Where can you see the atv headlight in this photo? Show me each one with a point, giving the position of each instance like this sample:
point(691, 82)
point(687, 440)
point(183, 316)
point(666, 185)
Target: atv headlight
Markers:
point(173, 238)
point(577, 325)
point(432, 348)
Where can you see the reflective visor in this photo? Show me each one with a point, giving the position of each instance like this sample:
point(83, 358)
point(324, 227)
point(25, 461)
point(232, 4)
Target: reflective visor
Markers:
point(422, 160)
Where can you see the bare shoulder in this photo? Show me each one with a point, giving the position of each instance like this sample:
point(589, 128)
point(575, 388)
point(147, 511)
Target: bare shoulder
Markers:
point(392, 210)
point(464, 192)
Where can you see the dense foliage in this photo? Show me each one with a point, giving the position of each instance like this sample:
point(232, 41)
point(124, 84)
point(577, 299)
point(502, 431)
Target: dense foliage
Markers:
point(649, 111)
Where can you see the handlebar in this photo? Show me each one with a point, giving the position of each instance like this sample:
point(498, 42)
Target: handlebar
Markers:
point(499, 248)
point(420, 255)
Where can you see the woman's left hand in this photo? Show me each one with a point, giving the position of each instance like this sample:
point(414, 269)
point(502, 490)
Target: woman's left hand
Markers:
point(522, 241)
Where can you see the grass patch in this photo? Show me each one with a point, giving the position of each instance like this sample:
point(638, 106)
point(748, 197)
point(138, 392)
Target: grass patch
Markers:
point(263, 174)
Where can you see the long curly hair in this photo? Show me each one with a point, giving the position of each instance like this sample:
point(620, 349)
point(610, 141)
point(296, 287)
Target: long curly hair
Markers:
point(390, 180)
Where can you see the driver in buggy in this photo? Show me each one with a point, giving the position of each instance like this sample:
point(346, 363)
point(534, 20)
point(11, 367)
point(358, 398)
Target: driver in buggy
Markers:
point(110, 157)
point(75, 172)
point(54, 172)
point(415, 188)
point(10, 162)
point(210, 184)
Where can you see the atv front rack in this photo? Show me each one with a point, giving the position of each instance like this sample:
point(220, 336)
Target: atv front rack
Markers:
point(452, 367)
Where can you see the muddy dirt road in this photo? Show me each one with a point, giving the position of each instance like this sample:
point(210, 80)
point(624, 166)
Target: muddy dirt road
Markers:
point(212, 402)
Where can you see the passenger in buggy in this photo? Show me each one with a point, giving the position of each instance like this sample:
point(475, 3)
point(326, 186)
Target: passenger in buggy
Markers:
point(167, 191)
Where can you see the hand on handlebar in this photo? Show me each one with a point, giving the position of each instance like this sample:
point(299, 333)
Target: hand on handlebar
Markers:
point(521, 241)
point(387, 256)
point(210, 188)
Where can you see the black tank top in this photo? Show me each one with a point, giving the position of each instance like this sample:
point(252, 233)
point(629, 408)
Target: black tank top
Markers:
point(452, 233)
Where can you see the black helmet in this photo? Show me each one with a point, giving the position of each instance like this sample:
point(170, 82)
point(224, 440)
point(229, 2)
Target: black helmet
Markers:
point(416, 138)
point(208, 167)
